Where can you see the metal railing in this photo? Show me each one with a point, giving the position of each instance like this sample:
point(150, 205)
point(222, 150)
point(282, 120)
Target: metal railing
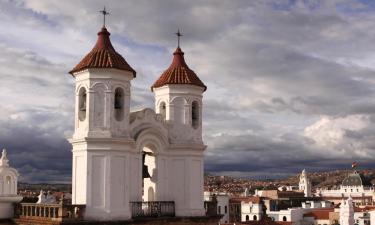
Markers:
point(152, 209)
point(210, 208)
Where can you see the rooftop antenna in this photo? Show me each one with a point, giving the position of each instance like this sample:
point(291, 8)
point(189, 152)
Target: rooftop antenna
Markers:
point(105, 13)
point(179, 35)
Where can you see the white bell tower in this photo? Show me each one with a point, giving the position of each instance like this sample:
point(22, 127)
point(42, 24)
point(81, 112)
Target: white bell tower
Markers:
point(101, 143)
point(178, 99)
point(347, 212)
point(305, 184)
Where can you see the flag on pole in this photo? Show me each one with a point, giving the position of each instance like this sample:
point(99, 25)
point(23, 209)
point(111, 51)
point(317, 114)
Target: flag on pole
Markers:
point(354, 165)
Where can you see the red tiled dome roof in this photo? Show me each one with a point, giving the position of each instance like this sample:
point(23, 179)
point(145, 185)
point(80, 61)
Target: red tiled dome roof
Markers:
point(103, 55)
point(178, 73)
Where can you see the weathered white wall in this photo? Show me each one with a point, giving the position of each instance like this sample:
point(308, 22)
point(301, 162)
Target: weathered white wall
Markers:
point(102, 148)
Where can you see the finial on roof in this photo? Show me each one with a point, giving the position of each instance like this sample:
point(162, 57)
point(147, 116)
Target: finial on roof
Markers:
point(105, 13)
point(179, 35)
point(4, 159)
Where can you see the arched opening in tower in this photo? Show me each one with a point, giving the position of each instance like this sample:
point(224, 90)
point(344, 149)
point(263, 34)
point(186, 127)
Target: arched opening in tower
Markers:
point(148, 174)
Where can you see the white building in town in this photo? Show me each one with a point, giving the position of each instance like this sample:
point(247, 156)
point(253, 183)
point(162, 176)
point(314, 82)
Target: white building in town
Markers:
point(222, 199)
point(251, 209)
point(362, 216)
point(307, 214)
point(46, 198)
point(347, 212)
point(8, 187)
point(121, 156)
point(305, 184)
point(355, 186)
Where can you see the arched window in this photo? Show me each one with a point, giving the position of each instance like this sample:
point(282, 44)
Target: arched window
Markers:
point(195, 114)
point(118, 104)
point(247, 217)
point(163, 109)
point(255, 217)
point(82, 104)
point(151, 194)
point(284, 218)
point(8, 185)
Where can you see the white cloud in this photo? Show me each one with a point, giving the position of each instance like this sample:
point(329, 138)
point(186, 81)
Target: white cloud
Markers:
point(330, 134)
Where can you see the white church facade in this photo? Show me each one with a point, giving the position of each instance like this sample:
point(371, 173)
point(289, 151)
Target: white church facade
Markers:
point(119, 156)
point(355, 185)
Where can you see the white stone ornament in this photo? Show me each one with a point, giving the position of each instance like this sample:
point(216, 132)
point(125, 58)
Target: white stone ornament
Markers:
point(8, 187)
point(4, 159)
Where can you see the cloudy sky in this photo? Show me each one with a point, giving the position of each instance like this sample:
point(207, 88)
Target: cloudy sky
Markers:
point(291, 83)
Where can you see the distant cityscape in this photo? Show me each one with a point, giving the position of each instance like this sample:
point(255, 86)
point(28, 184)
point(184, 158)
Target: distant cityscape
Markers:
point(228, 184)
point(331, 197)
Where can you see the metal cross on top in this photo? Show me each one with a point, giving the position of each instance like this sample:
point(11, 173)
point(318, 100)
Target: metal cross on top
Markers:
point(179, 35)
point(105, 13)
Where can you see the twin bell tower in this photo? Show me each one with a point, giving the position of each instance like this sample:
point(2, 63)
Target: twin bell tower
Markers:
point(121, 157)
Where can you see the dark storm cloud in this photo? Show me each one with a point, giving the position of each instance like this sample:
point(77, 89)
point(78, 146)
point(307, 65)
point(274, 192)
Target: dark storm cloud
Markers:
point(37, 149)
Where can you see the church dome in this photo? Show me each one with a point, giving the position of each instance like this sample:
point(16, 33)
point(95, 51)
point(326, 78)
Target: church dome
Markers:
point(178, 73)
point(103, 55)
point(356, 179)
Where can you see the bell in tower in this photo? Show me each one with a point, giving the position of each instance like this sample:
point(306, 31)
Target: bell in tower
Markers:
point(145, 173)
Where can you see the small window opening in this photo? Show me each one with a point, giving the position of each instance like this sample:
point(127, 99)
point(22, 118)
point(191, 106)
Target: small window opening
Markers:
point(195, 114)
point(8, 179)
point(118, 99)
point(255, 217)
point(119, 104)
point(82, 104)
point(163, 109)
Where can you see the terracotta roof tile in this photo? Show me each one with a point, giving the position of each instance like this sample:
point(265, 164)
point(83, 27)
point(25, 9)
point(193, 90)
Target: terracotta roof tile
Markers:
point(253, 199)
point(288, 194)
point(320, 214)
point(364, 209)
point(103, 55)
point(178, 73)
